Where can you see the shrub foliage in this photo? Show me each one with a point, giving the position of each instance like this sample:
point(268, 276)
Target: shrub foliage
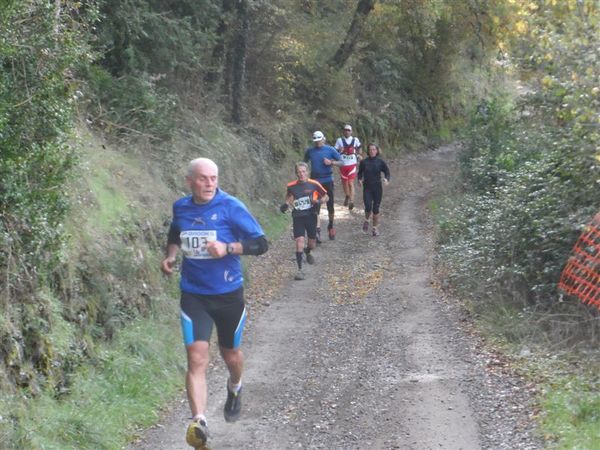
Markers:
point(37, 97)
point(530, 164)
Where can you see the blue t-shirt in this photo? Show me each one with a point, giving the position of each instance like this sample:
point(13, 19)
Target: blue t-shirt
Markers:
point(225, 219)
point(318, 170)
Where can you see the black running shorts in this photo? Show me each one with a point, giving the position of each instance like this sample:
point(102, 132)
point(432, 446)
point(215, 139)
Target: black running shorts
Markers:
point(305, 224)
point(226, 311)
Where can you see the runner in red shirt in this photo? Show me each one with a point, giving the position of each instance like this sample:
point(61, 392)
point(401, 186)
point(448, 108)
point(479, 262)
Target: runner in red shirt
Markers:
point(350, 150)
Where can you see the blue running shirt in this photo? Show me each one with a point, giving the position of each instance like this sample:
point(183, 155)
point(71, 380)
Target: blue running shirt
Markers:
point(225, 219)
point(318, 170)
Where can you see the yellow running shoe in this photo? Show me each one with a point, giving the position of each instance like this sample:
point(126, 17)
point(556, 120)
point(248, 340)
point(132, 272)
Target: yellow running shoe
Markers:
point(197, 435)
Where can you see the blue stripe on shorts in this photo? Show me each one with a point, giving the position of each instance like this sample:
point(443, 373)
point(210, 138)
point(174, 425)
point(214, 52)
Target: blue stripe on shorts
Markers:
point(237, 337)
point(187, 328)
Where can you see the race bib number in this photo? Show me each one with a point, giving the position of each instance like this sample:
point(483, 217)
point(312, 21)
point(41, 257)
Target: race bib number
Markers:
point(348, 160)
point(193, 243)
point(302, 204)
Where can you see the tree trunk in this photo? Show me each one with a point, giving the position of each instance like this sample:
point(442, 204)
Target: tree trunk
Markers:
point(239, 62)
point(218, 53)
point(57, 17)
point(363, 9)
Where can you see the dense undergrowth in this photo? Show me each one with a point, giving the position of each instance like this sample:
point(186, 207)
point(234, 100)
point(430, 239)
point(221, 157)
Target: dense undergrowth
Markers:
point(529, 185)
point(530, 172)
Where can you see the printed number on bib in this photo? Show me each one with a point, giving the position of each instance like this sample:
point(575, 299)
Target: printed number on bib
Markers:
point(302, 204)
point(193, 243)
point(348, 159)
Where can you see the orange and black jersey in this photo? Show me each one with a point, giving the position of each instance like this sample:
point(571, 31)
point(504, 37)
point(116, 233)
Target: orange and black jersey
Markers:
point(305, 195)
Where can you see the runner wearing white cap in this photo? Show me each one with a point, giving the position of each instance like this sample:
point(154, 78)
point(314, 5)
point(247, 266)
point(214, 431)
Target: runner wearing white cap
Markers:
point(350, 149)
point(322, 157)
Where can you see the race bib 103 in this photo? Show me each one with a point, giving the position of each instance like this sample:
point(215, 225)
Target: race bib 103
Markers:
point(193, 243)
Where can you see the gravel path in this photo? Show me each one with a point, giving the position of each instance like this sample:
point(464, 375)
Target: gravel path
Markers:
point(365, 353)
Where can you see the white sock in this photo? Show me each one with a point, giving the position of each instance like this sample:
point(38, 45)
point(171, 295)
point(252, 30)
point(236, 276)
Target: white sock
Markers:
point(199, 417)
point(233, 387)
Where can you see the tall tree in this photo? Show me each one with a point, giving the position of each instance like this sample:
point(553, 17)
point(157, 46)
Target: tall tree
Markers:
point(363, 9)
point(240, 43)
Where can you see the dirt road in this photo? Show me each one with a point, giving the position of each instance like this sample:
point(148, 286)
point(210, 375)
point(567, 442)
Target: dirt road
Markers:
point(365, 353)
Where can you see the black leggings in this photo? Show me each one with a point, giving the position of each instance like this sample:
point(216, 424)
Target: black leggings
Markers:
point(329, 188)
point(372, 197)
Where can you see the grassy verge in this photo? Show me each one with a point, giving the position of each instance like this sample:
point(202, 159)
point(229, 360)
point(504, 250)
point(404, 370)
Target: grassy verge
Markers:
point(568, 381)
point(125, 360)
point(570, 417)
point(125, 388)
point(272, 222)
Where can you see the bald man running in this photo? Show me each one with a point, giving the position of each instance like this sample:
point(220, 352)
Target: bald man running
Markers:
point(211, 228)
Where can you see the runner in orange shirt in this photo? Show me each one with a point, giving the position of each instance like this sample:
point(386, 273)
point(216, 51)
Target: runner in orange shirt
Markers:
point(304, 195)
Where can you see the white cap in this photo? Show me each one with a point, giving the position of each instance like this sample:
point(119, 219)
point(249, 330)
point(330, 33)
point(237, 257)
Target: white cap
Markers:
point(318, 136)
point(348, 127)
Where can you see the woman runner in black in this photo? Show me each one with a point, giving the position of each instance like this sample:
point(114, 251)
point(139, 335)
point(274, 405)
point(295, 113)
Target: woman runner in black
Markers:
point(369, 177)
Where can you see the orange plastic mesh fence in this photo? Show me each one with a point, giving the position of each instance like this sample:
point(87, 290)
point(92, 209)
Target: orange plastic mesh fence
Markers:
point(581, 275)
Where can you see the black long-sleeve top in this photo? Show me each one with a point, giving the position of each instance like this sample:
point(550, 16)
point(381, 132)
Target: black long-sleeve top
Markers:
point(370, 170)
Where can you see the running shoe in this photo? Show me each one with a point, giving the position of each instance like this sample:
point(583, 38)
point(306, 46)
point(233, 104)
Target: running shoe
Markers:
point(197, 434)
point(331, 232)
point(299, 276)
point(233, 405)
point(346, 200)
point(365, 227)
point(351, 206)
point(375, 231)
point(310, 259)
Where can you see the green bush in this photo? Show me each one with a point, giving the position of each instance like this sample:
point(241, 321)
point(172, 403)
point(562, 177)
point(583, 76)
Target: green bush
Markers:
point(36, 113)
point(130, 105)
point(146, 49)
point(533, 189)
point(156, 37)
point(530, 166)
point(415, 76)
